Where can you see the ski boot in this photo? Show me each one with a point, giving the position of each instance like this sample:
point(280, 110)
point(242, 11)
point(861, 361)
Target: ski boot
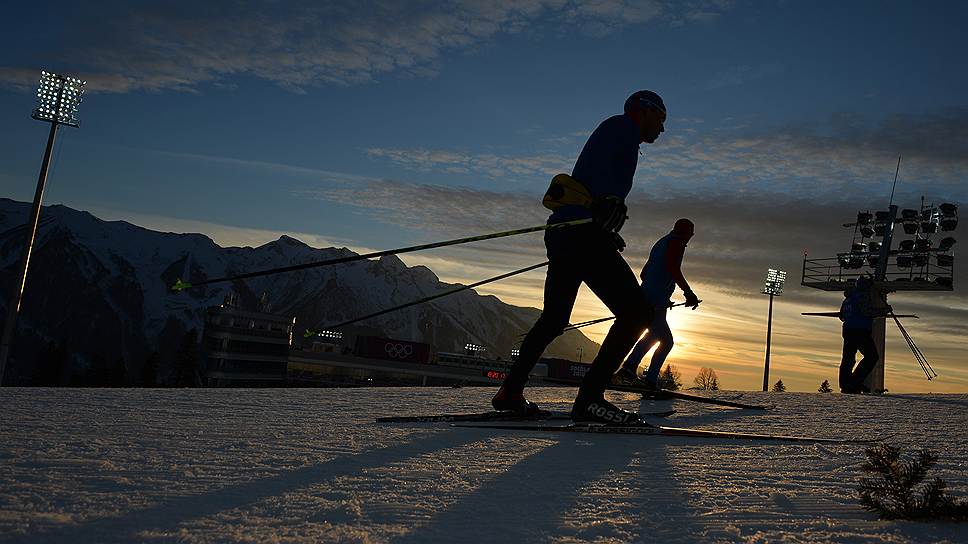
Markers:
point(855, 387)
point(599, 410)
point(625, 376)
point(505, 401)
point(644, 383)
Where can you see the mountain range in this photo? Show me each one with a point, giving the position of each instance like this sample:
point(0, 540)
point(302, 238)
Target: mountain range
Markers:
point(100, 290)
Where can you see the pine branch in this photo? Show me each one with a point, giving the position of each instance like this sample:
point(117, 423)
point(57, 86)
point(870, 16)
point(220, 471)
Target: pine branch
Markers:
point(893, 491)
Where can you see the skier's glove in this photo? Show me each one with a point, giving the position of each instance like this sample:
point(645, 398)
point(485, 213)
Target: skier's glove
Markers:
point(692, 300)
point(618, 241)
point(609, 212)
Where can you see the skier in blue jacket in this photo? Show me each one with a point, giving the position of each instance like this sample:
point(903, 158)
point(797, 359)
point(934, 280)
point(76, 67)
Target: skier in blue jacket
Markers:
point(589, 253)
point(858, 313)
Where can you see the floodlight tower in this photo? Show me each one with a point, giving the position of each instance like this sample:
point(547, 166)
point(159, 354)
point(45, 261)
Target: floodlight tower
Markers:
point(57, 100)
point(908, 268)
point(474, 350)
point(773, 286)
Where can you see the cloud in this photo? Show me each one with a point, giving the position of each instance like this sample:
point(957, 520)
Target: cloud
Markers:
point(180, 45)
point(741, 74)
point(846, 156)
point(282, 168)
point(861, 149)
point(21, 79)
point(487, 165)
point(738, 236)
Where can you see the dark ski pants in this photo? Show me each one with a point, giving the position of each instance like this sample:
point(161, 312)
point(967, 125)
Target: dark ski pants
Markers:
point(659, 333)
point(857, 340)
point(576, 255)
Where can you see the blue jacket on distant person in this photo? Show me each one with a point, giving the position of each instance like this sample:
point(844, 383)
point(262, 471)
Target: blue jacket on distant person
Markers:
point(856, 311)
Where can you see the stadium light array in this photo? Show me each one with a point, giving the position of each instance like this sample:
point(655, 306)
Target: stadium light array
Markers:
point(474, 348)
point(57, 99)
point(330, 335)
point(774, 282)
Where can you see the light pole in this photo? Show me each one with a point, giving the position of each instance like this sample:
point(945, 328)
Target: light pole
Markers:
point(773, 287)
point(57, 100)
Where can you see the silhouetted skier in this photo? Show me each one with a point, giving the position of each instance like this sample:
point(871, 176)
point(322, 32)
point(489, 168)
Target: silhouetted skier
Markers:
point(661, 274)
point(858, 313)
point(597, 188)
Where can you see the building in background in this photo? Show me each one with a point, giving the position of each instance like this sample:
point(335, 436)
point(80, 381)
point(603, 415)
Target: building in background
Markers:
point(245, 348)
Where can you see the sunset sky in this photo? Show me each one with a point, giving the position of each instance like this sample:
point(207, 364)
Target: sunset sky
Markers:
point(374, 125)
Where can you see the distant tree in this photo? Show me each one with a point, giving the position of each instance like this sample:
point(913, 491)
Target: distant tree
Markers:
point(778, 387)
point(706, 379)
point(149, 370)
point(825, 387)
point(670, 378)
point(186, 361)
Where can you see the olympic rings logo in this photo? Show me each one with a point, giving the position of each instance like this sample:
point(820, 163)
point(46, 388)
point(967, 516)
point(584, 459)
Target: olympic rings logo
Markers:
point(398, 351)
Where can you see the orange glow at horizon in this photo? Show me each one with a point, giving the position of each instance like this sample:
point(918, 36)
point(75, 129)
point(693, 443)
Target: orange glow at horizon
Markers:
point(728, 334)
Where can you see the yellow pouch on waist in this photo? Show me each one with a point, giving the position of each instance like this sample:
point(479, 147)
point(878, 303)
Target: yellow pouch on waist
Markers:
point(566, 191)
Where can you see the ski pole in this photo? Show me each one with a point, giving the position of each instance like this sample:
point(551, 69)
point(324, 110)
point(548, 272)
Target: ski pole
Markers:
point(182, 285)
point(602, 320)
point(918, 354)
point(313, 332)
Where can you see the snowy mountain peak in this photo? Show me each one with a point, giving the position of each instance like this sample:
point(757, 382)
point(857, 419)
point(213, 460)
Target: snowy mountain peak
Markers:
point(104, 288)
point(289, 240)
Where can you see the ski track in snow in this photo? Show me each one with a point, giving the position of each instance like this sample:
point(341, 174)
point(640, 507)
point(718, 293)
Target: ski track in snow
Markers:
point(310, 465)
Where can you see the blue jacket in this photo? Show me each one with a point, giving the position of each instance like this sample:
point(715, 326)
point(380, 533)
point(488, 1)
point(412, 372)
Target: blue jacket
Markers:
point(856, 311)
point(606, 164)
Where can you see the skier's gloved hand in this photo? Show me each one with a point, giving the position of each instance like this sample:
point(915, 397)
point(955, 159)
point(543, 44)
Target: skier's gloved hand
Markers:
point(618, 241)
point(692, 299)
point(609, 212)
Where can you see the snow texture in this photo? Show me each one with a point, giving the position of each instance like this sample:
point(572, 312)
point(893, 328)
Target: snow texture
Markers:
point(309, 465)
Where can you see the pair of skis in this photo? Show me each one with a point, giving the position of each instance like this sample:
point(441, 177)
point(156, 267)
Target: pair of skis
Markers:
point(665, 394)
point(495, 416)
point(656, 430)
point(544, 422)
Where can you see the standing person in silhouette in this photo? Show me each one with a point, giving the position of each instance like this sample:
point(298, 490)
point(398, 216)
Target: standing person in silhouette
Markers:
point(661, 274)
point(858, 313)
point(589, 253)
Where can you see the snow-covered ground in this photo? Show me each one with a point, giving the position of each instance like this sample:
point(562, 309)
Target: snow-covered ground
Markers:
point(309, 465)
